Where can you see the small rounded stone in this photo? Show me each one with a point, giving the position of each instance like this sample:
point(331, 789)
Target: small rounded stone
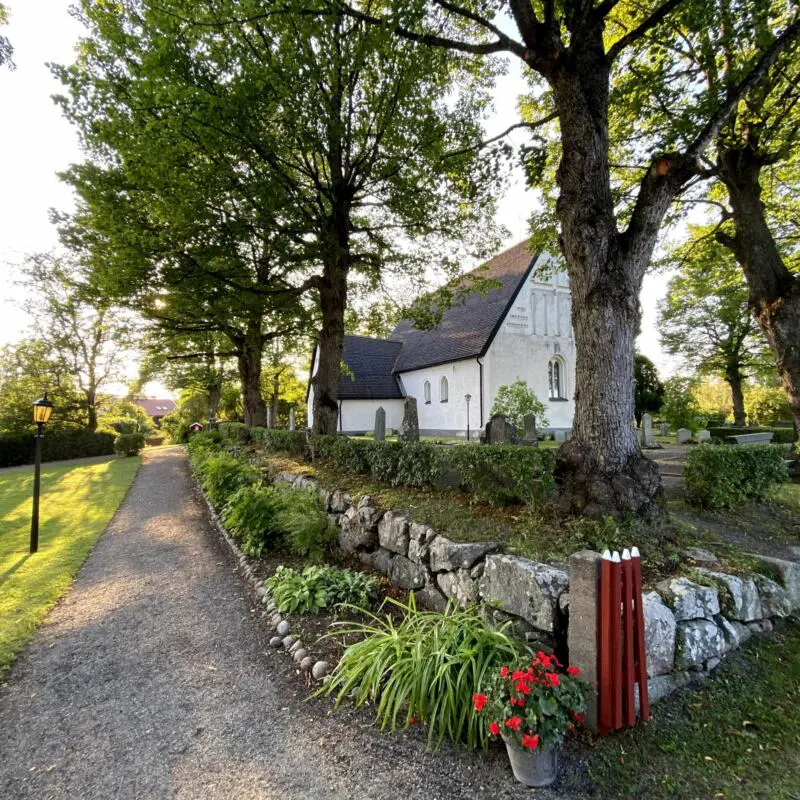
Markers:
point(288, 641)
point(284, 628)
point(320, 670)
point(298, 645)
point(270, 604)
point(276, 642)
point(300, 655)
point(307, 663)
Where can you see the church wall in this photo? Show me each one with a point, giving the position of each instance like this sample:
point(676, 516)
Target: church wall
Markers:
point(450, 418)
point(358, 416)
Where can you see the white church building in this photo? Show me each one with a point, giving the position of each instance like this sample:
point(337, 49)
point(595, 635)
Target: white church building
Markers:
point(519, 330)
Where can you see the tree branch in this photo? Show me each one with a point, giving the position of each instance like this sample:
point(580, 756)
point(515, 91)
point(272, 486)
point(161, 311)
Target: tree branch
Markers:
point(515, 126)
point(642, 28)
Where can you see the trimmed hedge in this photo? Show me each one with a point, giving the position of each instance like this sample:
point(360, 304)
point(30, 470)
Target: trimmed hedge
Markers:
point(780, 435)
point(57, 445)
point(721, 476)
point(271, 438)
point(129, 444)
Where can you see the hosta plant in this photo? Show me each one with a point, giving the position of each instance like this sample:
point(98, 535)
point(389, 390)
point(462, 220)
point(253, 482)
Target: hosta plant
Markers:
point(316, 588)
point(532, 703)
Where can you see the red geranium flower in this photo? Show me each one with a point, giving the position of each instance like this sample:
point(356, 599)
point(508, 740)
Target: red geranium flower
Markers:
point(514, 723)
point(522, 687)
point(554, 679)
point(503, 671)
point(494, 729)
point(579, 718)
point(531, 742)
point(573, 671)
point(479, 700)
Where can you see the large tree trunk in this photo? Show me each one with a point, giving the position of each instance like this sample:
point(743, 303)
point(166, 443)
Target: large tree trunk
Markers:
point(774, 290)
point(249, 362)
point(601, 470)
point(734, 379)
point(214, 399)
point(91, 409)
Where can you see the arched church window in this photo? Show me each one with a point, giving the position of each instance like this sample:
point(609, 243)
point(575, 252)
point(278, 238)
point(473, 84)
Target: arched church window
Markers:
point(426, 391)
point(556, 379)
point(443, 390)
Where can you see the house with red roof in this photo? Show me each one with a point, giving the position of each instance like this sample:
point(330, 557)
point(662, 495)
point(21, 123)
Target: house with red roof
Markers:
point(155, 408)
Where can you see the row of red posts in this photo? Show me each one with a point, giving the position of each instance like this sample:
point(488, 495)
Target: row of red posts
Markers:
point(621, 648)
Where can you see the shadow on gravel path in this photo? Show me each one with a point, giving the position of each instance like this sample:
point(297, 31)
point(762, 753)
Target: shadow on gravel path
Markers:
point(152, 679)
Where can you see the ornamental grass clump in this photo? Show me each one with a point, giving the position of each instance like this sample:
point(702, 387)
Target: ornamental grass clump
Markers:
point(422, 667)
point(532, 705)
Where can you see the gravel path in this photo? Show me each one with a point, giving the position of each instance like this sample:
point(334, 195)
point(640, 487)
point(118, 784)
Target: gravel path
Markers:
point(152, 679)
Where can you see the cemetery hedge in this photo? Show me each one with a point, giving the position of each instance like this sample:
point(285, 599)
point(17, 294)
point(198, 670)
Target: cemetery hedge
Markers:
point(721, 476)
point(493, 474)
point(779, 435)
point(57, 445)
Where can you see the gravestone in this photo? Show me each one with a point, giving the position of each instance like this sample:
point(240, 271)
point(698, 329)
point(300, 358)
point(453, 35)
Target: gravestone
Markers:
point(500, 431)
point(682, 436)
point(409, 428)
point(665, 429)
point(647, 430)
point(270, 417)
point(703, 436)
point(529, 430)
point(560, 436)
point(379, 433)
point(291, 419)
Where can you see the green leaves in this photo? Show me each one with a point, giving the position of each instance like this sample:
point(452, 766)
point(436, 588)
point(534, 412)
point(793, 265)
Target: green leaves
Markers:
point(317, 588)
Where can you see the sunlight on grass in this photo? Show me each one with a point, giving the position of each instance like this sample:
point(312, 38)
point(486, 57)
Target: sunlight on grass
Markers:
point(77, 503)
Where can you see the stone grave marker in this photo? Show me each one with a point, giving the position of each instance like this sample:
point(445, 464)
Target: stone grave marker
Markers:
point(291, 419)
point(379, 433)
point(647, 430)
point(409, 428)
point(665, 429)
point(560, 436)
point(500, 431)
point(682, 436)
point(529, 430)
point(703, 436)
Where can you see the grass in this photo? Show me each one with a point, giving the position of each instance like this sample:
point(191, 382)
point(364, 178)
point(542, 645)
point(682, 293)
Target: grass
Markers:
point(739, 737)
point(77, 503)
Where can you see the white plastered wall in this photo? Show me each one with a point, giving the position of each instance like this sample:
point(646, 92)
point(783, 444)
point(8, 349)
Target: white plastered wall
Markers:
point(358, 416)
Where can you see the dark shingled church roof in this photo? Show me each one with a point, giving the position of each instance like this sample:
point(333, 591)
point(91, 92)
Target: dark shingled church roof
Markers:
point(370, 361)
point(467, 328)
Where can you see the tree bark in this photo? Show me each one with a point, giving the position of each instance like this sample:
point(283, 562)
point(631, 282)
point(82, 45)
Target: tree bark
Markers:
point(249, 363)
point(91, 409)
point(214, 399)
point(734, 380)
point(774, 290)
point(601, 470)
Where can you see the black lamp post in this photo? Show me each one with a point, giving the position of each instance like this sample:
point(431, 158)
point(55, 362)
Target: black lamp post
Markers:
point(468, 397)
point(42, 409)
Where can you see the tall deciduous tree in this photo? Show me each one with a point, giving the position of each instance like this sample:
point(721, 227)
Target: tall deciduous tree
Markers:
point(574, 51)
point(85, 332)
point(705, 318)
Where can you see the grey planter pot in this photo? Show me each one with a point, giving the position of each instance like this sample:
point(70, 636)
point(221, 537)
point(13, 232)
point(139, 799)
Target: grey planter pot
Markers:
point(533, 767)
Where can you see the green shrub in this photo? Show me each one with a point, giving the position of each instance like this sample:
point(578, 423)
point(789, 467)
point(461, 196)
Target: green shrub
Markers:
point(278, 440)
point(303, 519)
point(315, 588)
point(721, 476)
point(252, 517)
point(766, 405)
point(502, 474)
point(222, 474)
point(404, 463)
point(427, 666)
point(785, 435)
point(230, 431)
point(129, 444)
point(348, 455)
point(18, 449)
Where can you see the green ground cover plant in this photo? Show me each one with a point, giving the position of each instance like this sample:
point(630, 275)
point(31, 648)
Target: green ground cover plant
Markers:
point(77, 503)
point(321, 587)
point(251, 515)
point(415, 665)
point(739, 736)
point(303, 521)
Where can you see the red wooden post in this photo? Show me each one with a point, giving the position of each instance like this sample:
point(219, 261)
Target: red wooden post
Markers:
point(628, 646)
point(604, 678)
point(616, 641)
point(641, 652)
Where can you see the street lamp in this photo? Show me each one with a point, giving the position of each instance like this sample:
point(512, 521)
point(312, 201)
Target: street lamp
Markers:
point(468, 397)
point(42, 409)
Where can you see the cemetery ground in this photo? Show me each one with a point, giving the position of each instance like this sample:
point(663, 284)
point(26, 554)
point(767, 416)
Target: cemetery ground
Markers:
point(77, 503)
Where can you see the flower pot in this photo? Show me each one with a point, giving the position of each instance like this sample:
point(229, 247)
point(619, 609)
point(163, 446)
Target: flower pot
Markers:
point(533, 767)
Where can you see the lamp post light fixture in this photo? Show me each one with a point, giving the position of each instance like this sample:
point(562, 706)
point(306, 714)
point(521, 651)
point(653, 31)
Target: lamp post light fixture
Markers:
point(468, 397)
point(42, 409)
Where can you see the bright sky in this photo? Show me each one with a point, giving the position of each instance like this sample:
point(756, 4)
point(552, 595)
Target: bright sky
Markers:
point(36, 142)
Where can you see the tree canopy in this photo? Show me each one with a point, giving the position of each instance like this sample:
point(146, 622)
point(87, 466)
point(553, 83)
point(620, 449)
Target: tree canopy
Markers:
point(649, 392)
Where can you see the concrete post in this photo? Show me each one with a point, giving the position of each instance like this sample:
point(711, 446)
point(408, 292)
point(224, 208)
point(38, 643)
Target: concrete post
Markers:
point(582, 633)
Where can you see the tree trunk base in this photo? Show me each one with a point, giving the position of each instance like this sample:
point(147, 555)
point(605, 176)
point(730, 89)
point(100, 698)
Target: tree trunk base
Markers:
point(585, 488)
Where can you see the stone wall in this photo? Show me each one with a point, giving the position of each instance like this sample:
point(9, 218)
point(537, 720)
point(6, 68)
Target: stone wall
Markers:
point(690, 625)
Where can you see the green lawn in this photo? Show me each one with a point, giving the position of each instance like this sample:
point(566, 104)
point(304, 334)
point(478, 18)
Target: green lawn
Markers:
point(739, 737)
point(77, 503)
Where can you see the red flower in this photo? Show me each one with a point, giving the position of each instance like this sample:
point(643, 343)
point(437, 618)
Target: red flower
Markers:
point(531, 742)
point(522, 687)
point(554, 679)
point(579, 718)
point(494, 729)
point(414, 720)
point(514, 722)
point(519, 676)
point(503, 671)
point(574, 671)
point(479, 700)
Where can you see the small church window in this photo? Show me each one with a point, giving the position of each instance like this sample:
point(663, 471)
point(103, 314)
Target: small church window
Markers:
point(443, 390)
point(555, 377)
point(426, 390)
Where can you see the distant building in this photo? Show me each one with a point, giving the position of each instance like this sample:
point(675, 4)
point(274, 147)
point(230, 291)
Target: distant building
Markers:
point(520, 329)
point(154, 408)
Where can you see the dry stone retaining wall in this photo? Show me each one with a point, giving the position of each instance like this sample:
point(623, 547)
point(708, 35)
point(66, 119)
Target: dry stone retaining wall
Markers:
point(690, 625)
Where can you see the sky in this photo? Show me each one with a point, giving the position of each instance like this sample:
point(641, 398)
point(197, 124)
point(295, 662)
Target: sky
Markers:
point(36, 142)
